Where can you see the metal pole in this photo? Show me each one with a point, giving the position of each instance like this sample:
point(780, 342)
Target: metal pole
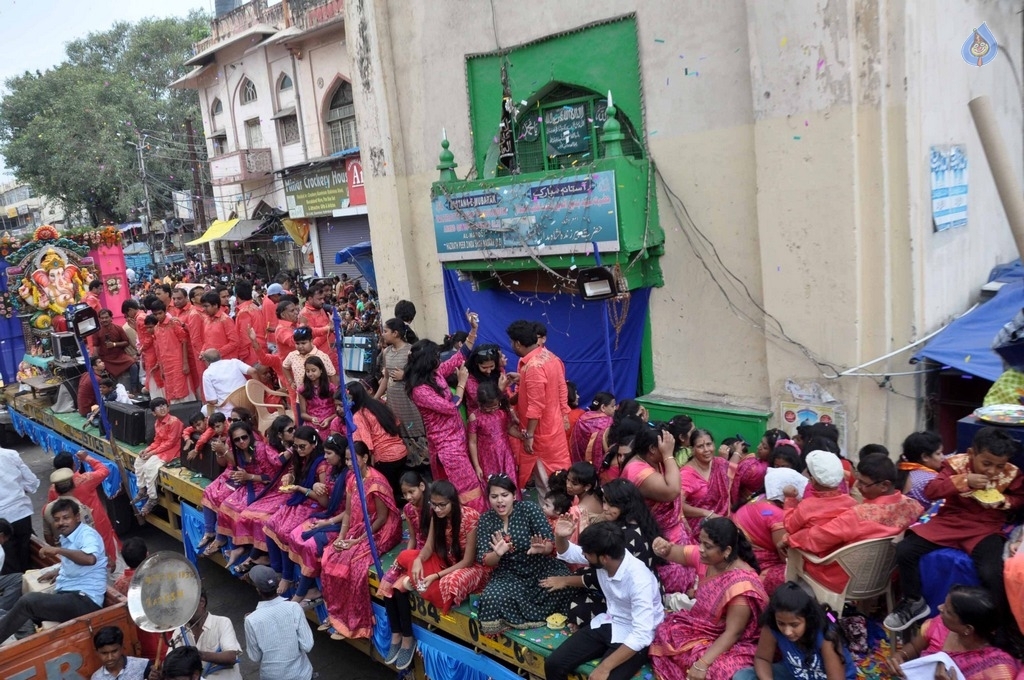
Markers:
point(604, 325)
point(198, 207)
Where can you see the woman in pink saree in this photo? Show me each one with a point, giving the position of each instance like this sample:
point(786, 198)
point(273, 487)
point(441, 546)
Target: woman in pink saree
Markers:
point(718, 636)
point(586, 440)
point(651, 467)
point(705, 482)
point(761, 522)
point(748, 481)
point(964, 629)
point(425, 377)
point(345, 568)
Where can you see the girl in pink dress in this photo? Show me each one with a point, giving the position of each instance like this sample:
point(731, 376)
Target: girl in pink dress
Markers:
point(345, 567)
point(316, 398)
point(309, 480)
point(489, 447)
point(486, 365)
point(425, 378)
point(417, 521)
point(587, 435)
point(748, 481)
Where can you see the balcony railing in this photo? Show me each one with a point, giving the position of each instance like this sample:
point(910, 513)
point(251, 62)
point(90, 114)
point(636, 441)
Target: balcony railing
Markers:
point(240, 166)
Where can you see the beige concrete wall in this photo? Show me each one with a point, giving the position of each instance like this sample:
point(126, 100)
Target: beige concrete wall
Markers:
point(797, 151)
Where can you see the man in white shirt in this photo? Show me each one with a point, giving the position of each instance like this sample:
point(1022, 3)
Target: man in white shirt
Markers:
point(214, 637)
point(221, 378)
point(17, 481)
point(621, 636)
point(277, 634)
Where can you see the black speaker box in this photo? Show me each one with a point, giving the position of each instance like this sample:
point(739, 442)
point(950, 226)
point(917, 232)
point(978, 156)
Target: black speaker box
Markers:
point(205, 463)
point(120, 511)
point(128, 422)
point(180, 411)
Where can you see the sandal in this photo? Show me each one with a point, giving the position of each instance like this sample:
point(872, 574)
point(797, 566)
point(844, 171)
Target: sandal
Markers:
point(245, 567)
point(214, 548)
point(205, 541)
point(148, 507)
point(313, 603)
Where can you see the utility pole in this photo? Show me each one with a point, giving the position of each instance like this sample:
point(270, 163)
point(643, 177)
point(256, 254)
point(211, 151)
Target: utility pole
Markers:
point(139, 146)
point(198, 206)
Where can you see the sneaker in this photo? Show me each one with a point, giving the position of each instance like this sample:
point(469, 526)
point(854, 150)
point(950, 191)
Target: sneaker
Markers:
point(906, 613)
point(404, 658)
point(392, 654)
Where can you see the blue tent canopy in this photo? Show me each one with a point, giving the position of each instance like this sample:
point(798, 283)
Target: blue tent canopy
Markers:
point(966, 343)
point(361, 255)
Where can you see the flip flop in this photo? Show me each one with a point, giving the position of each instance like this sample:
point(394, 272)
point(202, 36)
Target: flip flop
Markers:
point(213, 548)
point(206, 540)
point(308, 603)
point(245, 567)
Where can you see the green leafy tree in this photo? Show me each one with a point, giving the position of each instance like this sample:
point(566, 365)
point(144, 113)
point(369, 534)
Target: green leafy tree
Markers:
point(69, 131)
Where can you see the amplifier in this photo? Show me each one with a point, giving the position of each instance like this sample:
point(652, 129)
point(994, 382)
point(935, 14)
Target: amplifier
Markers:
point(204, 464)
point(128, 422)
point(182, 412)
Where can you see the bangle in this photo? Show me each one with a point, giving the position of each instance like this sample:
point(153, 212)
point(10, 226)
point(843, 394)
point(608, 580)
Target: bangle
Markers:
point(698, 668)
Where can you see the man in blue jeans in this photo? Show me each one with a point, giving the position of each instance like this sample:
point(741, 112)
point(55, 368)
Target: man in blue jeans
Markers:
point(621, 636)
point(81, 582)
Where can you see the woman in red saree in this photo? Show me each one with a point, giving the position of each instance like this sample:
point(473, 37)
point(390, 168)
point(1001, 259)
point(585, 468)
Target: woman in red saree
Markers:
point(718, 636)
point(705, 482)
point(586, 439)
point(345, 568)
point(970, 614)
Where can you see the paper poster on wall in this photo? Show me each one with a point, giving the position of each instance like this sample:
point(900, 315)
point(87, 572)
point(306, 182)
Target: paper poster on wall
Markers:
point(949, 186)
point(793, 414)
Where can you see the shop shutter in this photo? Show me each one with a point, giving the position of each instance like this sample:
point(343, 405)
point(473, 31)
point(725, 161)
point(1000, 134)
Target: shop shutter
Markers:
point(337, 233)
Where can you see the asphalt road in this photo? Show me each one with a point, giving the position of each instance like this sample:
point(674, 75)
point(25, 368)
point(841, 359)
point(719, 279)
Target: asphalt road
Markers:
point(228, 596)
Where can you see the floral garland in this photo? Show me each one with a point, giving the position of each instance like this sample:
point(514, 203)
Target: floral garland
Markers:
point(8, 244)
point(8, 305)
point(24, 251)
point(108, 235)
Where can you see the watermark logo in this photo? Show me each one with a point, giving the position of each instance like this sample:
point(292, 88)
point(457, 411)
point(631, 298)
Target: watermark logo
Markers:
point(980, 48)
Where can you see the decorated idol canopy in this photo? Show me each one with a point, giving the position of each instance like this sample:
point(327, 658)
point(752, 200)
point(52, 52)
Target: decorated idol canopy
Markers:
point(46, 276)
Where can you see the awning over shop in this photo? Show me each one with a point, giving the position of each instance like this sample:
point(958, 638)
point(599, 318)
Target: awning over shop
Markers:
point(228, 230)
point(966, 343)
point(361, 255)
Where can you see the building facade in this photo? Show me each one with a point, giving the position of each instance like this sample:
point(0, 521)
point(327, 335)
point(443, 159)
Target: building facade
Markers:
point(23, 210)
point(790, 230)
point(278, 117)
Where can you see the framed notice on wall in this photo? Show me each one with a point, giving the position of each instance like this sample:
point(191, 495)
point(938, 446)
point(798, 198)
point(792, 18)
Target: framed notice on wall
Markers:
point(568, 129)
point(948, 166)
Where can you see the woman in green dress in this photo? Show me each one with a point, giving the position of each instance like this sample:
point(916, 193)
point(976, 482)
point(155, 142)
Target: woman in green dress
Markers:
point(514, 597)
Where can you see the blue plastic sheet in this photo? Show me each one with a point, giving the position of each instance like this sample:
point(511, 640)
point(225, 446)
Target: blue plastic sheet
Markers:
point(446, 660)
point(943, 569)
point(192, 530)
point(966, 344)
point(12, 340)
point(51, 441)
point(361, 255)
point(574, 331)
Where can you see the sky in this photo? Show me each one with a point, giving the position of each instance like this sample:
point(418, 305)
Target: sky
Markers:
point(33, 32)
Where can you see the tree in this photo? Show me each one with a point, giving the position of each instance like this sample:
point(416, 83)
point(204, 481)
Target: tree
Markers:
point(69, 131)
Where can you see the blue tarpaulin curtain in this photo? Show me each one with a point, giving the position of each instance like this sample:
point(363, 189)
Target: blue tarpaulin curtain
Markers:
point(574, 331)
point(12, 340)
point(966, 344)
point(192, 530)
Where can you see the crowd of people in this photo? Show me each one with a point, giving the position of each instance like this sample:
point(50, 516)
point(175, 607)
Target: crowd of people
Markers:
point(650, 541)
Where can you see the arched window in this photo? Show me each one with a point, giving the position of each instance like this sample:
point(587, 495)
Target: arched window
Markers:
point(248, 90)
point(341, 120)
point(562, 129)
point(286, 83)
point(216, 108)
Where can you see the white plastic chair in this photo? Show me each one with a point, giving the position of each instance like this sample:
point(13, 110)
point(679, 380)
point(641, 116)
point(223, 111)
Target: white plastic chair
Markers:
point(868, 564)
point(256, 394)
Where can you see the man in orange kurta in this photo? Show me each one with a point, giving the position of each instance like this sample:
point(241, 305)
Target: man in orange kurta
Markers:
point(269, 307)
point(185, 312)
point(885, 512)
point(219, 330)
point(287, 314)
point(170, 339)
point(248, 315)
point(542, 404)
point(315, 316)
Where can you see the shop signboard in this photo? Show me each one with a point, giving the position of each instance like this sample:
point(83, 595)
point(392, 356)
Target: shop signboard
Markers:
point(555, 216)
point(317, 193)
